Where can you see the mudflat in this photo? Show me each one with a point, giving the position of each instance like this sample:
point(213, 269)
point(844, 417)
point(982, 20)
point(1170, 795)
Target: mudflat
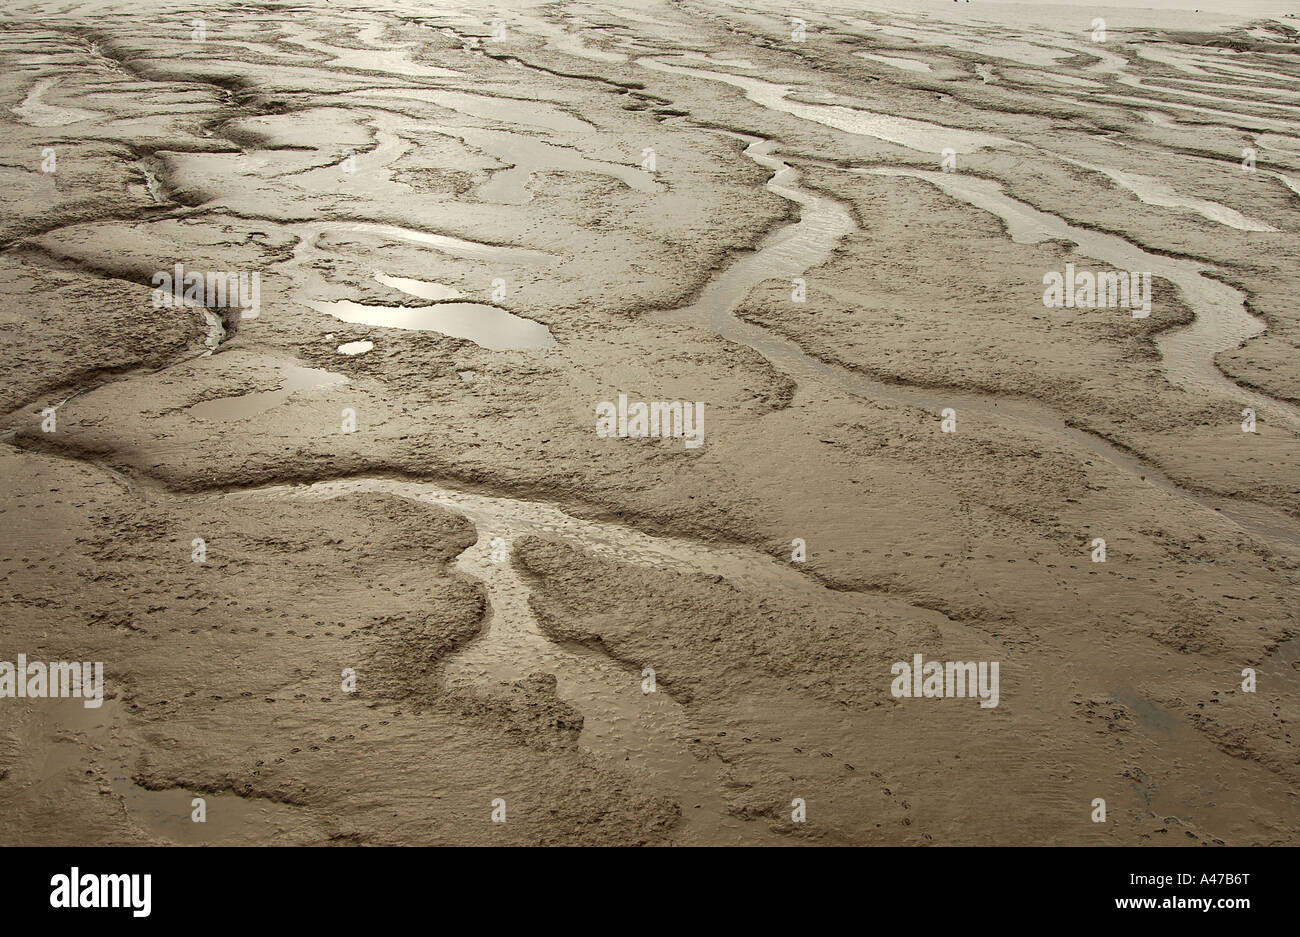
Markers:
point(618, 422)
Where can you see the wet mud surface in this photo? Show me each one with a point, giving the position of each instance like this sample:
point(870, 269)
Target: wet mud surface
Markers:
point(360, 567)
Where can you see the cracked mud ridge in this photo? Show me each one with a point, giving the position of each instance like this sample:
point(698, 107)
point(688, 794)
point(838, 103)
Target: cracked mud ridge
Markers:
point(324, 338)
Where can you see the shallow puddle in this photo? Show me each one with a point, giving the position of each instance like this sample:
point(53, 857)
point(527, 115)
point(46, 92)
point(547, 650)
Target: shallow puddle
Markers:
point(444, 243)
point(915, 134)
point(424, 289)
point(524, 113)
point(893, 61)
point(393, 59)
point(484, 325)
point(153, 186)
point(1161, 194)
point(294, 379)
point(34, 111)
point(716, 59)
